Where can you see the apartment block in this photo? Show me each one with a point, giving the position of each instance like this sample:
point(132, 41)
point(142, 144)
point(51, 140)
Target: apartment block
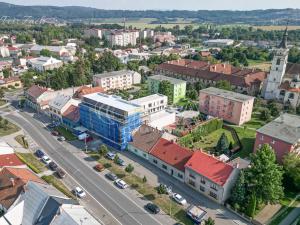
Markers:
point(122, 38)
point(123, 79)
point(282, 134)
point(232, 107)
point(110, 117)
point(210, 176)
point(93, 32)
point(178, 86)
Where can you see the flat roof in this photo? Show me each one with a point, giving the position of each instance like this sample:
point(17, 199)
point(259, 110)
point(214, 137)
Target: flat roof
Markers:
point(226, 94)
point(170, 79)
point(286, 128)
point(114, 73)
point(114, 101)
point(148, 98)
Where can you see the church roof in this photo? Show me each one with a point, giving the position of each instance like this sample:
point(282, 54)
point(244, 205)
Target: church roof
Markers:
point(283, 43)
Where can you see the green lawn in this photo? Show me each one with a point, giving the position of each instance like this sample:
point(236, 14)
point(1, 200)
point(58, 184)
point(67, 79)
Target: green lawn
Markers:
point(9, 129)
point(2, 102)
point(32, 162)
point(66, 133)
point(247, 137)
point(163, 201)
point(21, 141)
point(255, 121)
point(210, 141)
point(58, 185)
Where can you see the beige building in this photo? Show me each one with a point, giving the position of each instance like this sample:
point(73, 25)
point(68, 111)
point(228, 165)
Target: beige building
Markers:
point(44, 63)
point(230, 106)
point(122, 79)
point(93, 32)
point(122, 37)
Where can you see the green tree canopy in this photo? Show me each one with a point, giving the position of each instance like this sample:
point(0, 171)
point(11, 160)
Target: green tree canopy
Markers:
point(45, 52)
point(291, 165)
point(224, 84)
point(107, 62)
point(165, 88)
point(222, 146)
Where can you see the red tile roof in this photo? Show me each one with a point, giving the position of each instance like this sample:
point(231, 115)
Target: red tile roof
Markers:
point(10, 160)
point(87, 90)
point(171, 153)
point(12, 181)
point(209, 167)
point(35, 91)
point(286, 86)
point(72, 113)
point(236, 76)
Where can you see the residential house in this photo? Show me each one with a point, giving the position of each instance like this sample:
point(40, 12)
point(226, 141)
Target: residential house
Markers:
point(71, 117)
point(178, 86)
point(54, 50)
point(123, 79)
point(14, 51)
point(93, 32)
point(232, 107)
point(143, 140)
point(37, 97)
point(86, 90)
point(59, 105)
point(282, 134)
point(163, 37)
point(12, 182)
point(242, 80)
point(210, 176)
point(219, 43)
point(170, 158)
point(43, 63)
point(11, 160)
point(9, 82)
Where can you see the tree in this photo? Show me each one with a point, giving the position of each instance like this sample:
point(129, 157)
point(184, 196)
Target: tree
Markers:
point(264, 176)
point(133, 65)
point(144, 179)
point(291, 165)
point(224, 84)
point(251, 206)
point(209, 221)
point(129, 168)
point(45, 52)
point(1, 93)
point(103, 150)
point(238, 193)
point(107, 62)
point(6, 73)
point(116, 159)
point(165, 88)
point(265, 114)
point(222, 145)
point(192, 94)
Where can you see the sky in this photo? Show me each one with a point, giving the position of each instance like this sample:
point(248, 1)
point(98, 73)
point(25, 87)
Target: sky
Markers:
point(168, 4)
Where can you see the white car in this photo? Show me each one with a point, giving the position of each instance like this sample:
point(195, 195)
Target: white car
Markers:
point(79, 192)
point(121, 183)
point(179, 199)
point(46, 159)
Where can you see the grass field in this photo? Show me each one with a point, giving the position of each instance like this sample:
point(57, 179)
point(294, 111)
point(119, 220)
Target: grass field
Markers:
point(32, 162)
point(258, 64)
point(58, 185)
point(247, 137)
point(22, 141)
point(277, 27)
point(9, 129)
point(66, 133)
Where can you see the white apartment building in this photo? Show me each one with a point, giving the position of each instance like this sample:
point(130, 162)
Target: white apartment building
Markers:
point(146, 34)
point(93, 32)
point(122, 38)
point(123, 79)
point(152, 103)
point(44, 63)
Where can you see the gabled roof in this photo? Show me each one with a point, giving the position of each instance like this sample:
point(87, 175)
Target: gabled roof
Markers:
point(171, 153)
point(36, 91)
point(85, 90)
point(145, 138)
point(12, 181)
point(72, 113)
point(209, 167)
point(10, 160)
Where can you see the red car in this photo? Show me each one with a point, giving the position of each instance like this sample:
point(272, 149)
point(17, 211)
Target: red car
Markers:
point(88, 139)
point(55, 133)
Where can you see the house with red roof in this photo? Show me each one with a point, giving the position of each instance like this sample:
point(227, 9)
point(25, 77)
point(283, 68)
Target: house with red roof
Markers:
point(210, 176)
point(170, 157)
point(11, 160)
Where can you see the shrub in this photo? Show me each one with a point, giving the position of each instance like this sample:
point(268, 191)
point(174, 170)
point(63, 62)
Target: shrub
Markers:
point(161, 189)
point(135, 185)
point(32, 167)
point(107, 165)
point(129, 168)
point(144, 179)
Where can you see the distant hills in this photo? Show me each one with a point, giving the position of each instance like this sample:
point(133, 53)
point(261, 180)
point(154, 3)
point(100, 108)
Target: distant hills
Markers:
point(255, 17)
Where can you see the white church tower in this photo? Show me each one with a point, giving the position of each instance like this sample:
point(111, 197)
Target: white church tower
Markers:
point(278, 68)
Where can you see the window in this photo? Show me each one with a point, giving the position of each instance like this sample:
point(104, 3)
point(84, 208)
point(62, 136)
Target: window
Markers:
point(180, 175)
point(192, 176)
point(214, 195)
point(278, 62)
point(291, 95)
point(273, 142)
point(202, 180)
point(155, 161)
point(202, 188)
point(261, 137)
point(164, 167)
point(192, 183)
point(213, 186)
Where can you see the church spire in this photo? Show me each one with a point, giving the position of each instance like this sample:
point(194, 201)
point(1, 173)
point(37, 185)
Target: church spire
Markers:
point(283, 43)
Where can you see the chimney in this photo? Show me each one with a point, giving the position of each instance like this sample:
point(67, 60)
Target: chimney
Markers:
point(12, 181)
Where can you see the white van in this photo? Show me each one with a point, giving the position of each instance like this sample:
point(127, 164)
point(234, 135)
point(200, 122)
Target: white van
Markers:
point(83, 136)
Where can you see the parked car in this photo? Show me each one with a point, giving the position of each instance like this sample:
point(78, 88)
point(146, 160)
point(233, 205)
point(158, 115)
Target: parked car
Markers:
point(52, 166)
point(152, 208)
point(89, 139)
point(179, 199)
point(52, 125)
point(83, 136)
point(60, 173)
point(121, 162)
point(46, 159)
point(55, 133)
point(61, 138)
point(111, 155)
point(111, 176)
point(39, 153)
point(79, 192)
point(197, 214)
point(121, 183)
point(99, 167)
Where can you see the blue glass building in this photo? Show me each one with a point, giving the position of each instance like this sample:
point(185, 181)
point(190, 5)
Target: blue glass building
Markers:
point(110, 117)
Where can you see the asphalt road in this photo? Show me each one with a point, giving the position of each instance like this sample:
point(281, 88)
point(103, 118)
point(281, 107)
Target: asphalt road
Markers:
point(122, 209)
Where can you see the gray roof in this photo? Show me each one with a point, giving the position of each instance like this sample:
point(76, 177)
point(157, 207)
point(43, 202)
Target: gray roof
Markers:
point(285, 128)
point(114, 73)
point(170, 79)
point(60, 101)
point(226, 94)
